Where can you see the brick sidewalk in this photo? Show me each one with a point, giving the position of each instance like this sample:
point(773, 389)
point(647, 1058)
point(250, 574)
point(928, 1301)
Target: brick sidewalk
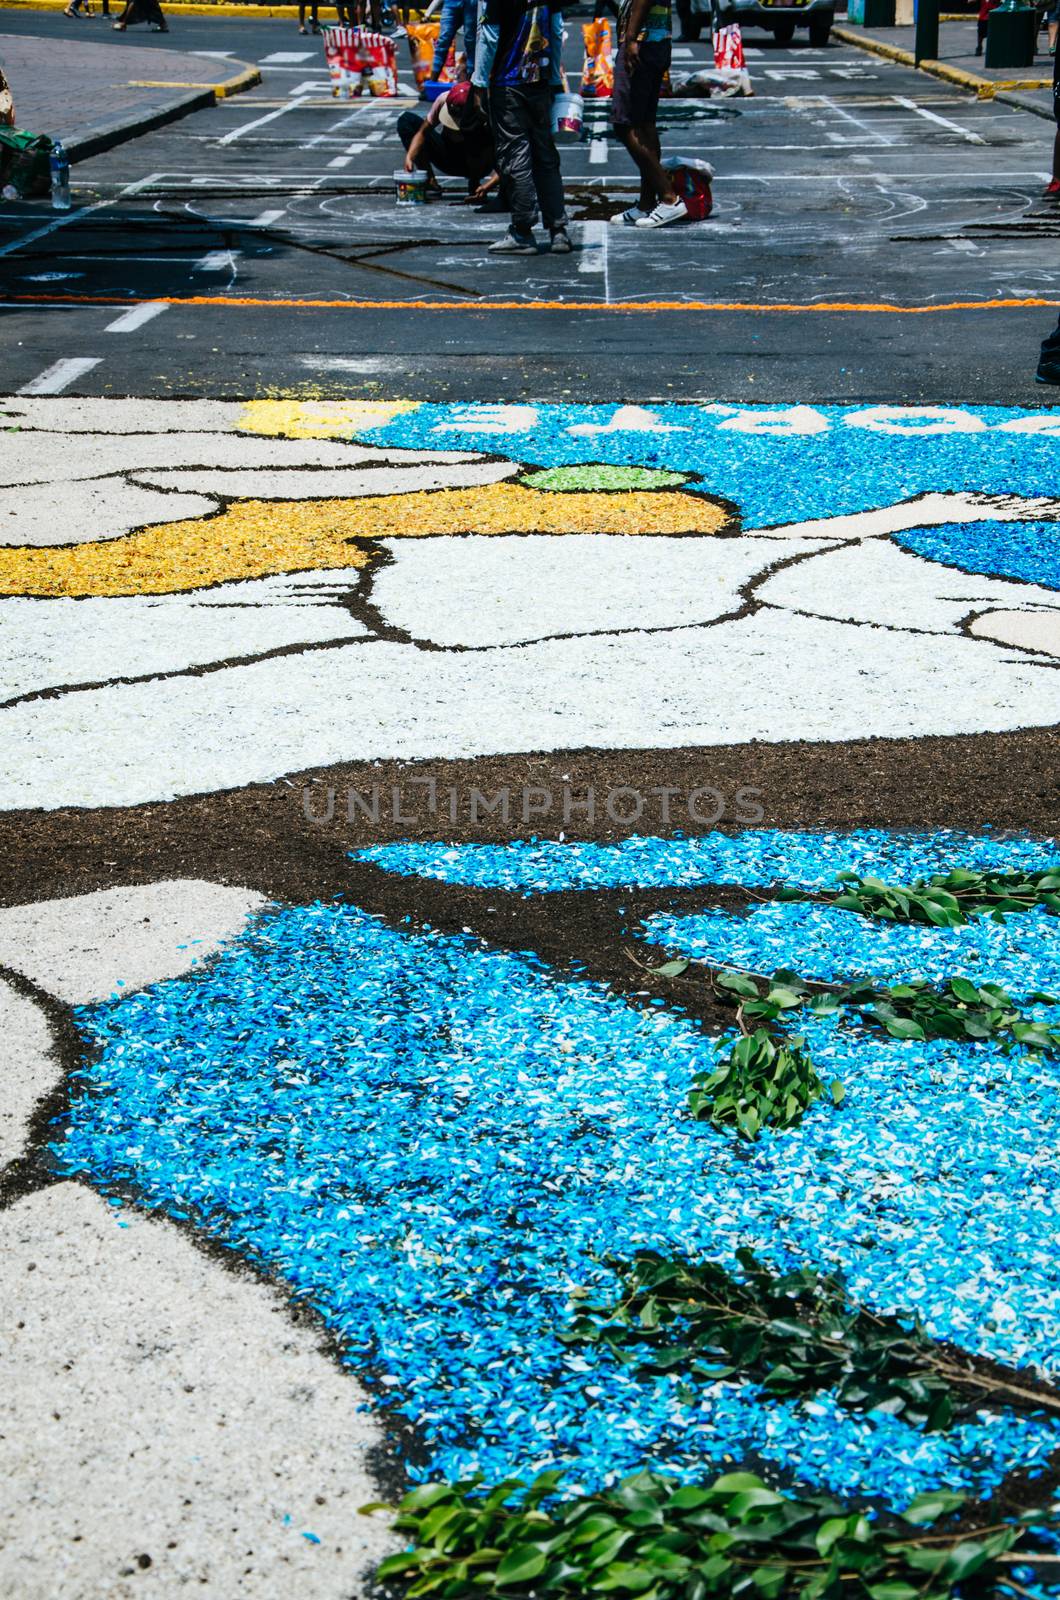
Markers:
point(1021, 86)
point(92, 95)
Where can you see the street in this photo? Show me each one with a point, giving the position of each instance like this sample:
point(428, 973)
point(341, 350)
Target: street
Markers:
point(847, 183)
point(530, 922)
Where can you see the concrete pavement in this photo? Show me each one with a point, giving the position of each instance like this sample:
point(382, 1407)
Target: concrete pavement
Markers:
point(93, 94)
point(1030, 88)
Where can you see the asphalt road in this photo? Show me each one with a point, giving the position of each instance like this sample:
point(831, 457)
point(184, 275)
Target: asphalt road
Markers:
point(845, 182)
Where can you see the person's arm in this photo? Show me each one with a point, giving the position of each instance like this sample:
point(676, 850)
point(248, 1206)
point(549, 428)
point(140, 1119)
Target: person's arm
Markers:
point(638, 12)
point(555, 48)
point(416, 144)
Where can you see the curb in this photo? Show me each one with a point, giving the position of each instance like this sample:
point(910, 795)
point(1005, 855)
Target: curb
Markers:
point(121, 129)
point(982, 88)
point(186, 8)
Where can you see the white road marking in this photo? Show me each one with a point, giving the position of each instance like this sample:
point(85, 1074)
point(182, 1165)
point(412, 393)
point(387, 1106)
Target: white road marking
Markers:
point(597, 152)
point(259, 122)
point(681, 53)
point(75, 216)
point(943, 122)
point(265, 219)
point(217, 261)
point(863, 127)
point(311, 86)
point(213, 55)
point(599, 242)
point(286, 56)
point(136, 316)
point(57, 377)
point(340, 161)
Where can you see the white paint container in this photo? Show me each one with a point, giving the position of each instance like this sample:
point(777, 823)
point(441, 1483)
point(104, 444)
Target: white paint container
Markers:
point(567, 112)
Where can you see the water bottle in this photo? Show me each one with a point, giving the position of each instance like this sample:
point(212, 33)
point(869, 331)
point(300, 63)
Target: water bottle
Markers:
point(60, 168)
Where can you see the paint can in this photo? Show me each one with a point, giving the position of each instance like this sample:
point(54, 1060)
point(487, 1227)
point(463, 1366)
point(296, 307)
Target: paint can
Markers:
point(567, 115)
point(411, 188)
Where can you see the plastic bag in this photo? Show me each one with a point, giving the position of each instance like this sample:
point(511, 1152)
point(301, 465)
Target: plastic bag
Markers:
point(356, 57)
point(25, 163)
point(423, 40)
point(691, 178)
point(598, 69)
point(710, 82)
point(728, 47)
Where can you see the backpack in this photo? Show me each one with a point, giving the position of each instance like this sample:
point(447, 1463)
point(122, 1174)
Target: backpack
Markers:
point(25, 163)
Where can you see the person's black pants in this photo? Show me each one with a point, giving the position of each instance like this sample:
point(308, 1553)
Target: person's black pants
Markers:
point(527, 158)
point(437, 151)
point(1049, 365)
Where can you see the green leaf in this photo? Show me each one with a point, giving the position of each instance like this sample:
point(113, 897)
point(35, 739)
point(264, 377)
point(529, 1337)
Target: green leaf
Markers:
point(670, 969)
point(838, 1092)
point(932, 1505)
point(965, 991)
point(526, 1561)
point(904, 1028)
point(738, 983)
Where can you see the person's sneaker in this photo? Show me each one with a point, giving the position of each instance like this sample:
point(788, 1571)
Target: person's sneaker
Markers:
point(514, 244)
point(628, 218)
point(1047, 374)
point(1052, 190)
point(664, 214)
point(560, 245)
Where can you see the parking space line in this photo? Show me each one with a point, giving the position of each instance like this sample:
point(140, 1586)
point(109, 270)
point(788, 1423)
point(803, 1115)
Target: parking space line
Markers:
point(59, 376)
point(943, 122)
point(136, 316)
point(75, 216)
point(259, 122)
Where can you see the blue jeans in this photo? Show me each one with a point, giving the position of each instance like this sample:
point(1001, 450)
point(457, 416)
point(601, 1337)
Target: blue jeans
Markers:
point(456, 14)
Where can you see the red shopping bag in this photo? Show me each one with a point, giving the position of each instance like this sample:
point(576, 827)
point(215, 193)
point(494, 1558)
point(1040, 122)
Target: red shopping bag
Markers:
point(728, 47)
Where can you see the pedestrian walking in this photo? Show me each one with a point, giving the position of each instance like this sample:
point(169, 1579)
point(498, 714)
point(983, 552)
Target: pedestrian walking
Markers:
point(645, 33)
point(455, 137)
point(314, 20)
point(82, 8)
point(457, 15)
point(142, 11)
point(1049, 363)
point(517, 66)
point(1052, 188)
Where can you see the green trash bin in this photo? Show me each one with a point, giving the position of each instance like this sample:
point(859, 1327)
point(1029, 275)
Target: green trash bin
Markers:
point(1011, 36)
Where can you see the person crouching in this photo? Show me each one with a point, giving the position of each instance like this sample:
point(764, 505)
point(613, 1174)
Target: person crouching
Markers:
point(454, 137)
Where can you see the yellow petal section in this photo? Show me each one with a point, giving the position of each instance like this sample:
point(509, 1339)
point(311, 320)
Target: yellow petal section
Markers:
point(256, 538)
point(319, 419)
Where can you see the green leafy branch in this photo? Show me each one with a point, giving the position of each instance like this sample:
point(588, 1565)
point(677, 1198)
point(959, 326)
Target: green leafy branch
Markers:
point(947, 899)
point(653, 1538)
point(766, 1077)
point(793, 1334)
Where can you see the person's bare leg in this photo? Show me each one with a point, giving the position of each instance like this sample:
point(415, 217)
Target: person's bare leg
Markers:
point(645, 151)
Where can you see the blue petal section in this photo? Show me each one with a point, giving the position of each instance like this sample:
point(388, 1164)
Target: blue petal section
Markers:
point(431, 1142)
point(760, 856)
point(1022, 953)
point(1027, 550)
point(772, 479)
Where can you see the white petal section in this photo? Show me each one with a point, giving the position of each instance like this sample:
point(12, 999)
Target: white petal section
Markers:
point(1026, 630)
point(293, 484)
point(167, 1429)
point(503, 591)
point(61, 415)
point(34, 457)
point(70, 513)
point(45, 644)
point(771, 676)
point(878, 582)
point(28, 1068)
point(91, 946)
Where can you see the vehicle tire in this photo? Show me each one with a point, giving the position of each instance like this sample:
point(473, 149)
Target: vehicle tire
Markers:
point(784, 32)
point(820, 28)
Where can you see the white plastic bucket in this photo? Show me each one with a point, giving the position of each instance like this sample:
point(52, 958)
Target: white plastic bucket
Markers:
point(567, 115)
point(411, 187)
